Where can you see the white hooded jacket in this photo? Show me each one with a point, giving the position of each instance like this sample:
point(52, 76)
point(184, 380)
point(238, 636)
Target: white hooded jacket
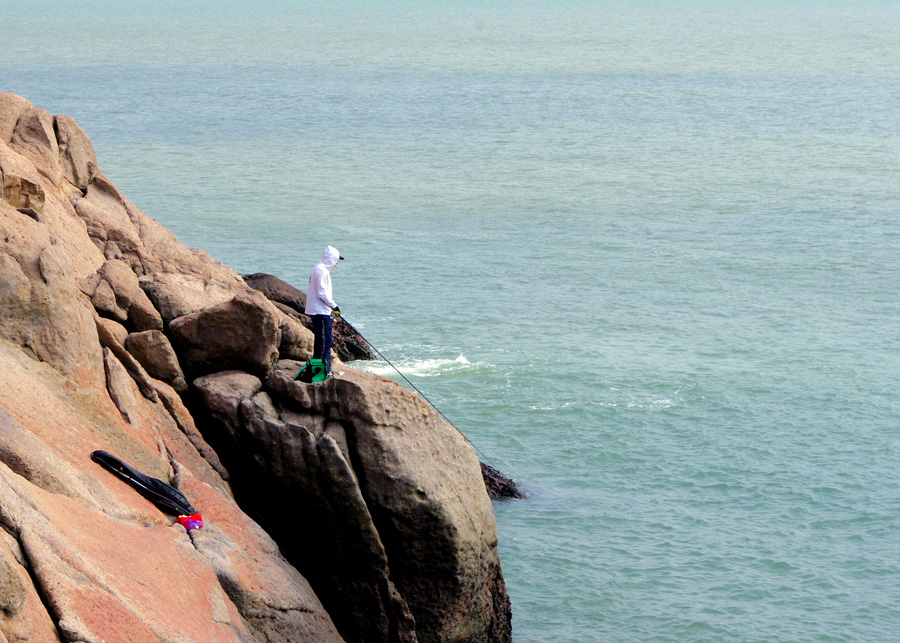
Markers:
point(318, 295)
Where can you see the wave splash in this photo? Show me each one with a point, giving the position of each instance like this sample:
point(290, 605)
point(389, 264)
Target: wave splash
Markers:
point(416, 367)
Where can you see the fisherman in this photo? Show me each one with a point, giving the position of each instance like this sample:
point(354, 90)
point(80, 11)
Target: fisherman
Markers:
point(320, 305)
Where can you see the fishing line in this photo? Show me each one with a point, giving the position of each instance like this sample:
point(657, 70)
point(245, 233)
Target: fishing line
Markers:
point(421, 394)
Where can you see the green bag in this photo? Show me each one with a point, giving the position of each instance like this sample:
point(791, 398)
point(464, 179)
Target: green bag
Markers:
point(315, 370)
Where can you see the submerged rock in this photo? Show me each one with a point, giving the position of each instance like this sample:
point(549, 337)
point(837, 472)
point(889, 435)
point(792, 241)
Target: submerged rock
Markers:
point(498, 485)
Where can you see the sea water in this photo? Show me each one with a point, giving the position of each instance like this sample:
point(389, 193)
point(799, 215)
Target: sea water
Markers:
point(646, 256)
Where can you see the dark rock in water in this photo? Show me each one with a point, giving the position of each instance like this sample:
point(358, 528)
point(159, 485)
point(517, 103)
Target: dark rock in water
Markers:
point(348, 344)
point(498, 485)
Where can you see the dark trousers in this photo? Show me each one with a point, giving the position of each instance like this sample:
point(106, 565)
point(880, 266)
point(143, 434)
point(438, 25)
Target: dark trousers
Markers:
point(322, 330)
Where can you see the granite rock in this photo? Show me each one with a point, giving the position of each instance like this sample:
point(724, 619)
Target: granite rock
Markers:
point(346, 510)
point(155, 353)
point(242, 333)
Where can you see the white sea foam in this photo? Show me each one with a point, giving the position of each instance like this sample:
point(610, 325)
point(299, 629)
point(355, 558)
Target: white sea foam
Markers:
point(419, 368)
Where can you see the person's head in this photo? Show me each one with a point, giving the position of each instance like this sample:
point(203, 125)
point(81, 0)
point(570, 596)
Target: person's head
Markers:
point(331, 256)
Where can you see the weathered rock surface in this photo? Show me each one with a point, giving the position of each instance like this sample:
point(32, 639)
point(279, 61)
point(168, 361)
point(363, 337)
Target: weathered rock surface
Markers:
point(103, 578)
point(76, 153)
point(24, 616)
point(242, 333)
point(340, 511)
point(155, 353)
point(406, 550)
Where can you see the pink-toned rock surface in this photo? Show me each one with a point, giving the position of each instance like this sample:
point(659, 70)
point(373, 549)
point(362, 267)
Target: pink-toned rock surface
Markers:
point(83, 556)
point(358, 481)
point(24, 617)
point(106, 579)
point(271, 594)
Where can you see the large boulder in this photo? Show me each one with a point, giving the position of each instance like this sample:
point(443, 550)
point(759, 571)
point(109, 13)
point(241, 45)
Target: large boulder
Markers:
point(406, 549)
point(303, 477)
point(241, 334)
point(436, 522)
point(175, 294)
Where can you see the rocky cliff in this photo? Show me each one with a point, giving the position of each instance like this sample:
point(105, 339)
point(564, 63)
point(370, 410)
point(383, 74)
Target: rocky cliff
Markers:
point(342, 511)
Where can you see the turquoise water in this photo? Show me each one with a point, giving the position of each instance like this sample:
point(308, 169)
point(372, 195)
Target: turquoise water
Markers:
point(646, 257)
